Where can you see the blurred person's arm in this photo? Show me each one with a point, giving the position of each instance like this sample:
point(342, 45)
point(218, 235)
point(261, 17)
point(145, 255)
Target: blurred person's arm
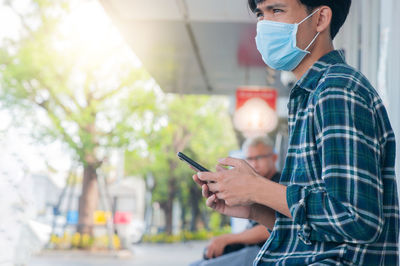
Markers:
point(255, 235)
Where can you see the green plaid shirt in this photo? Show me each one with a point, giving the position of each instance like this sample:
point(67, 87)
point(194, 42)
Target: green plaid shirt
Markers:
point(339, 173)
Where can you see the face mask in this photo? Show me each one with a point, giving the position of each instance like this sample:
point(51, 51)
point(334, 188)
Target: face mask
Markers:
point(276, 41)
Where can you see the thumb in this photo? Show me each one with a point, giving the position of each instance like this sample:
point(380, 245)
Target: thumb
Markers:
point(220, 168)
point(229, 161)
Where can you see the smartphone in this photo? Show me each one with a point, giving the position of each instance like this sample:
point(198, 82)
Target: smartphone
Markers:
point(192, 163)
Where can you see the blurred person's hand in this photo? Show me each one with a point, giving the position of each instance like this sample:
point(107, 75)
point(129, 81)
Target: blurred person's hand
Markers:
point(217, 246)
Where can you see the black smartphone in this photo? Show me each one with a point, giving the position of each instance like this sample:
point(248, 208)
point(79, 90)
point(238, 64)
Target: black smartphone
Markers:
point(192, 163)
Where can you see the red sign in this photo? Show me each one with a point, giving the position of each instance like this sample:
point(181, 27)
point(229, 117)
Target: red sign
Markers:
point(267, 94)
point(122, 217)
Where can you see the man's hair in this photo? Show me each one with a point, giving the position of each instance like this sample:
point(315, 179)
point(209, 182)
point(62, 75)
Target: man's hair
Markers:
point(340, 10)
point(252, 142)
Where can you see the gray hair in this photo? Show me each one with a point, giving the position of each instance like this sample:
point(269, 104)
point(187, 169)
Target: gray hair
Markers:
point(252, 142)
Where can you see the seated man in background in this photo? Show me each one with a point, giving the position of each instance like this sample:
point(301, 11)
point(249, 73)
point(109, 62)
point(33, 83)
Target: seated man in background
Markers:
point(242, 248)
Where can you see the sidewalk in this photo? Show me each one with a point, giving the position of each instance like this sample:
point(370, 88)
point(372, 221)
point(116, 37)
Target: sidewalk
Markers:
point(180, 254)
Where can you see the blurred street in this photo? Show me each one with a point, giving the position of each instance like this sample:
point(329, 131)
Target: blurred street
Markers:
point(143, 255)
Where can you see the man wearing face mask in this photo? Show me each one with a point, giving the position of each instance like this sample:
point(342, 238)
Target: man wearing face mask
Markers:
point(336, 203)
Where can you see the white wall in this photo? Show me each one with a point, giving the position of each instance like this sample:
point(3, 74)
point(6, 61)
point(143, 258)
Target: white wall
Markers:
point(371, 40)
point(393, 71)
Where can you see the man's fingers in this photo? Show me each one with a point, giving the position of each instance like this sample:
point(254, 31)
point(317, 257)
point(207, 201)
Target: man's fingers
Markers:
point(219, 168)
point(207, 176)
point(205, 191)
point(210, 252)
point(229, 161)
point(210, 202)
point(198, 181)
point(218, 252)
point(213, 187)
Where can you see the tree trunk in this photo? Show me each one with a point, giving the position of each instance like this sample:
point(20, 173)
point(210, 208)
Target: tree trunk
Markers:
point(169, 205)
point(88, 200)
point(183, 214)
point(194, 198)
point(205, 218)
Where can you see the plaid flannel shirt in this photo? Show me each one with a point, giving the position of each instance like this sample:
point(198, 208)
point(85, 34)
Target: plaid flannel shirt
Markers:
point(339, 173)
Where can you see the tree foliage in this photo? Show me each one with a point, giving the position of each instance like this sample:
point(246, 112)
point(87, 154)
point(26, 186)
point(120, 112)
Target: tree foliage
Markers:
point(90, 96)
point(83, 89)
point(90, 92)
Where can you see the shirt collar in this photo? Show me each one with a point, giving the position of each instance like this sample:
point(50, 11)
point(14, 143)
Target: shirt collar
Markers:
point(310, 79)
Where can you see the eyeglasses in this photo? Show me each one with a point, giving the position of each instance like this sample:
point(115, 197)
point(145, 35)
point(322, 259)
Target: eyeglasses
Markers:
point(259, 157)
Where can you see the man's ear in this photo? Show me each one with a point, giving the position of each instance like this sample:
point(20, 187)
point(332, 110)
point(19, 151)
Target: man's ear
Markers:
point(324, 19)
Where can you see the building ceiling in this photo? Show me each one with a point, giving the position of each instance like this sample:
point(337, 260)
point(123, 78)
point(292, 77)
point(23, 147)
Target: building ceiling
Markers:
point(194, 46)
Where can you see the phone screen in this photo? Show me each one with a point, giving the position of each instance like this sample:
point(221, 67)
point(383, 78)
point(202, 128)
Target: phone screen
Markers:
point(192, 163)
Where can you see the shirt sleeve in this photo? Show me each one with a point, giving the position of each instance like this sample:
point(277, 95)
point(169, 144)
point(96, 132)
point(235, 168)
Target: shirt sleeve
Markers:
point(348, 207)
point(251, 224)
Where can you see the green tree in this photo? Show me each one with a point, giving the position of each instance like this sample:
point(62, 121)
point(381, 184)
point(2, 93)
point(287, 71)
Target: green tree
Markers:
point(196, 125)
point(90, 91)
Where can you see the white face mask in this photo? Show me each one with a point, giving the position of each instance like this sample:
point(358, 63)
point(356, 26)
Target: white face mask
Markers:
point(276, 41)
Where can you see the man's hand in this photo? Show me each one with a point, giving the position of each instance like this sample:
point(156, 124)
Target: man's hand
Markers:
point(235, 186)
point(256, 194)
point(217, 246)
point(219, 205)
